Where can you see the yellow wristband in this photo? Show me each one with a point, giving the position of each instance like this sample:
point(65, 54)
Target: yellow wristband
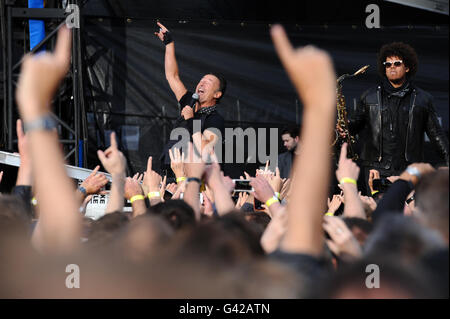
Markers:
point(154, 194)
point(181, 179)
point(278, 195)
point(329, 214)
point(374, 192)
point(136, 197)
point(272, 200)
point(347, 180)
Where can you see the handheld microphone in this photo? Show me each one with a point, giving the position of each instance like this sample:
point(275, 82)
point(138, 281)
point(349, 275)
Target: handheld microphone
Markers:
point(194, 99)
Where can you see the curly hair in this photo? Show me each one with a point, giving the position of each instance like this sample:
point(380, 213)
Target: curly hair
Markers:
point(401, 50)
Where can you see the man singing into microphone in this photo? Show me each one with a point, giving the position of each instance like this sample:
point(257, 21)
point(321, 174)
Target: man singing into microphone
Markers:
point(209, 90)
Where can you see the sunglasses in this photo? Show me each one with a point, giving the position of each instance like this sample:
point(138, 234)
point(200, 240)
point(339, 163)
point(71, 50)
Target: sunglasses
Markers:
point(396, 63)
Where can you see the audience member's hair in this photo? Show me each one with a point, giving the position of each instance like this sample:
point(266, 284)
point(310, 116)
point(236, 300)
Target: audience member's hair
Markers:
point(144, 235)
point(259, 219)
point(226, 240)
point(436, 266)
point(431, 200)
point(176, 212)
point(395, 281)
point(13, 215)
point(105, 229)
point(360, 228)
point(401, 238)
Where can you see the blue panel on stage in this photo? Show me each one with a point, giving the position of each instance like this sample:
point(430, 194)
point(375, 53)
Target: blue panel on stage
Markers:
point(37, 27)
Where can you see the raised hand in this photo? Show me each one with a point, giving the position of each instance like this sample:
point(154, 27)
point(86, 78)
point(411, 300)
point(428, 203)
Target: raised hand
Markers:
point(369, 203)
point(152, 180)
point(114, 162)
point(346, 167)
point(40, 77)
point(195, 165)
point(263, 190)
point(373, 174)
point(307, 67)
point(423, 169)
point(347, 175)
point(247, 176)
point(342, 242)
point(162, 188)
point(285, 189)
point(132, 188)
point(227, 181)
point(243, 196)
point(275, 181)
point(112, 159)
point(334, 204)
point(312, 74)
point(177, 162)
point(172, 188)
point(179, 190)
point(266, 172)
point(59, 225)
point(162, 30)
point(208, 205)
point(94, 182)
point(138, 177)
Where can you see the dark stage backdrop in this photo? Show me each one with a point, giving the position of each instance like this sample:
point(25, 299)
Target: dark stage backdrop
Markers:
point(126, 90)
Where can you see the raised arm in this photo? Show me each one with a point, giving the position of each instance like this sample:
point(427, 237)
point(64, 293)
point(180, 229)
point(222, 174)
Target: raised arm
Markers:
point(59, 225)
point(347, 175)
point(24, 174)
point(135, 194)
point(152, 182)
point(194, 169)
point(114, 162)
point(91, 185)
point(222, 198)
point(170, 63)
point(393, 200)
point(311, 72)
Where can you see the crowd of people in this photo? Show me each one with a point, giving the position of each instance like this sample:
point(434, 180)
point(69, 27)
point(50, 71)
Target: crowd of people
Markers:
point(197, 238)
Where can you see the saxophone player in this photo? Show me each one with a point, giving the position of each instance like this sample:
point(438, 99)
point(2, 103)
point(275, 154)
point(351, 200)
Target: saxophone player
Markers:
point(392, 117)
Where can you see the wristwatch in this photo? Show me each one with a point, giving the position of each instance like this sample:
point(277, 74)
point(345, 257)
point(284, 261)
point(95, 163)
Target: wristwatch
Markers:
point(194, 179)
point(43, 123)
point(82, 190)
point(413, 171)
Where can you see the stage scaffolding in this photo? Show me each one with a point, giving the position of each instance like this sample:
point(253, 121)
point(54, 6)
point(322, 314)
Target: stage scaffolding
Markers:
point(69, 108)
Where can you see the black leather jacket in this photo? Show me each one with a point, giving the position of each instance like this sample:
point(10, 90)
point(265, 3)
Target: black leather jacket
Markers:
point(421, 117)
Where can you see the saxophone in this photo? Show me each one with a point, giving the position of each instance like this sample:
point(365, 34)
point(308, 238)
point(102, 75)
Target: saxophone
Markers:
point(342, 120)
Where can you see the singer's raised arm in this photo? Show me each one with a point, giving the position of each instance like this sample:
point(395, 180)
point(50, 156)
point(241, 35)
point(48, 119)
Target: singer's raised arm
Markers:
point(170, 63)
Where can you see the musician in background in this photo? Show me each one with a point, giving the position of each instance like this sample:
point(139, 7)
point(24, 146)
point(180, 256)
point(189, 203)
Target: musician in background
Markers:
point(391, 118)
point(291, 141)
point(209, 90)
